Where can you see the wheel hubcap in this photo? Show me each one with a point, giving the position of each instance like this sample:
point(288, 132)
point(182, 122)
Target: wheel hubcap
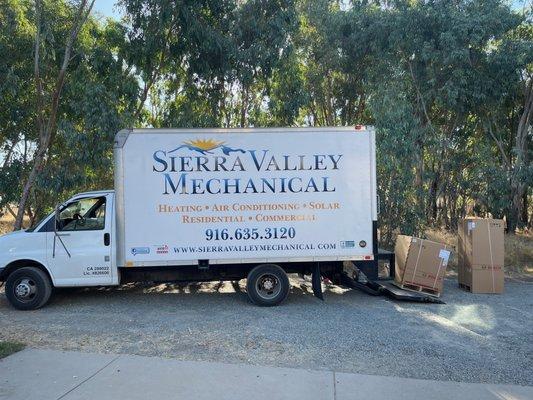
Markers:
point(25, 289)
point(268, 286)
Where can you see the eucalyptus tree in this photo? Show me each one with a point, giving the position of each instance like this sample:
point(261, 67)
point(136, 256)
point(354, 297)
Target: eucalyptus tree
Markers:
point(49, 80)
point(505, 115)
point(99, 100)
point(174, 47)
point(461, 68)
point(17, 126)
point(447, 84)
point(85, 96)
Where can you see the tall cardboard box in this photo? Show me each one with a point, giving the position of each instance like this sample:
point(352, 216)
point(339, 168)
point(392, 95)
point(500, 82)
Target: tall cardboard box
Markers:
point(420, 264)
point(483, 279)
point(481, 241)
point(481, 255)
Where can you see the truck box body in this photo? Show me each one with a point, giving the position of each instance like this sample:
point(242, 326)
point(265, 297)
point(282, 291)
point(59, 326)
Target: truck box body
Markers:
point(187, 196)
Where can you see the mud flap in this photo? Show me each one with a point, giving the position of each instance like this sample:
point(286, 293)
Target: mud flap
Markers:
point(316, 282)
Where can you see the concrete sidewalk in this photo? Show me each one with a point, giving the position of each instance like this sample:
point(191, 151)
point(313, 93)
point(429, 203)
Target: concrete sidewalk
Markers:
point(48, 374)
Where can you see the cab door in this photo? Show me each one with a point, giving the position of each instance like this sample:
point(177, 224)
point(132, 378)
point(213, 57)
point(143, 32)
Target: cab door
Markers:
point(79, 251)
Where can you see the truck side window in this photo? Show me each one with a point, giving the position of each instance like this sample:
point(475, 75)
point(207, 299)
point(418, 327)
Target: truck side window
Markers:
point(83, 215)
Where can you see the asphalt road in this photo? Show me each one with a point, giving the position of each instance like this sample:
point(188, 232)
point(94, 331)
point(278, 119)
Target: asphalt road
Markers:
point(472, 338)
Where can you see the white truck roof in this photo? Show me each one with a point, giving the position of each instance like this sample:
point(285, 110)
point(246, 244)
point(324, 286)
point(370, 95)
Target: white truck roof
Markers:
point(95, 193)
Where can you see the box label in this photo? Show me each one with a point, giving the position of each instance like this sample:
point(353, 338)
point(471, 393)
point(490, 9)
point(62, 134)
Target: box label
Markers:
point(445, 255)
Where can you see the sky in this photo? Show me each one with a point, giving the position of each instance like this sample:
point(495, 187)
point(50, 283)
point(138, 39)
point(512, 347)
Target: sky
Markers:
point(106, 8)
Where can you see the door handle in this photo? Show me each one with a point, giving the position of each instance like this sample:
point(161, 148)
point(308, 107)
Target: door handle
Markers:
point(107, 239)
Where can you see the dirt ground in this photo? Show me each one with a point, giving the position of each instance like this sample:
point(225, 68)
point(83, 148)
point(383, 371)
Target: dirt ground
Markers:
point(472, 338)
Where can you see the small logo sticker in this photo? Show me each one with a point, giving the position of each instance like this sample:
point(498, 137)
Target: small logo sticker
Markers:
point(162, 249)
point(348, 244)
point(140, 250)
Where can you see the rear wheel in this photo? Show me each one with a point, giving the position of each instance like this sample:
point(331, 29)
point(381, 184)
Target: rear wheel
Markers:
point(267, 285)
point(28, 288)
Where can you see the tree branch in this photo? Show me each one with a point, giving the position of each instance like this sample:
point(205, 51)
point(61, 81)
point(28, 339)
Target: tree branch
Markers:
point(81, 17)
point(36, 67)
point(499, 144)
point(8, 155)
point(154, 75)
point(10, 210)
point(419, 95)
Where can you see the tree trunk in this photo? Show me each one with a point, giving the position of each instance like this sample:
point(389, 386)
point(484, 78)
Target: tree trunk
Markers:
point(360, 110)
point(244, 105)
point(38, 163)
point(518, 181)
point(314, 113)
point(525, 210)
point(154, 74)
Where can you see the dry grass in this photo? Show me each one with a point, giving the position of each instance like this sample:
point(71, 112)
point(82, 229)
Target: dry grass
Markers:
point(6, 224)
point(7, 220)
point(518, 251)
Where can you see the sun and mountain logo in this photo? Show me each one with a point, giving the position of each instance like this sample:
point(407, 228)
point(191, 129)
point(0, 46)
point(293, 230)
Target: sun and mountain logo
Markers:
point(207, 146)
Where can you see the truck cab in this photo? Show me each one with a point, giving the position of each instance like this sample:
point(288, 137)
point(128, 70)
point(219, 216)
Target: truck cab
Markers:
point(72, 246)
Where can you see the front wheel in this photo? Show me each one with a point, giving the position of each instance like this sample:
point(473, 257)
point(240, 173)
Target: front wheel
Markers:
point(267, 285)
point(28, 288)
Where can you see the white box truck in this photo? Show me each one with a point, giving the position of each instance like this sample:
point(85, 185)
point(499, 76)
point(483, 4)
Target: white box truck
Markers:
point(209, 204)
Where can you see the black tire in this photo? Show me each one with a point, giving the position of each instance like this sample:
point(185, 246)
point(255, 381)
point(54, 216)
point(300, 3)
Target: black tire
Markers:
point(31, 279)
point(259, 281)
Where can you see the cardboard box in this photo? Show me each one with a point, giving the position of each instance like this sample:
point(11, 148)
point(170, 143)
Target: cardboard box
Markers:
point(481, 255)
point(420, 263)
point(481, 241)
point(483, 279)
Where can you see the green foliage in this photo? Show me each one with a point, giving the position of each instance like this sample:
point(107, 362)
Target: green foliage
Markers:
point(8, 348)
point(97, 101)
point(445, 83)
point(16, 114)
